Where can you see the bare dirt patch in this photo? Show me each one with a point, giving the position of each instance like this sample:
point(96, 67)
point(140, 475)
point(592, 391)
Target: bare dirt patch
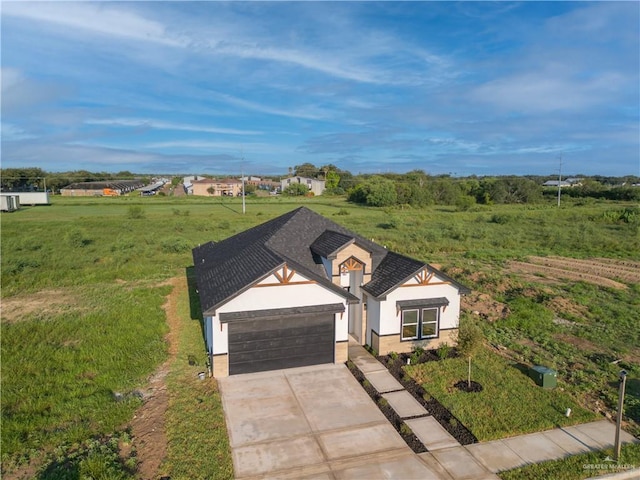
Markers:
point(564, 306)
point(46, 303)
point(148, 424)
point(485, 306)
point(581, 343)
point(564, 273)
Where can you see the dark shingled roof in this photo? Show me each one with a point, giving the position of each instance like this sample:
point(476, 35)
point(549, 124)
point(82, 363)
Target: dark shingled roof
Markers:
point(297, 238)
point(328, 244)
point(396, 269)
point(393, 270)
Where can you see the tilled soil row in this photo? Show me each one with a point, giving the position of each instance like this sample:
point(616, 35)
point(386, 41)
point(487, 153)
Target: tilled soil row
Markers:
point(524, 267)
point(591, 267)
point(622, 263)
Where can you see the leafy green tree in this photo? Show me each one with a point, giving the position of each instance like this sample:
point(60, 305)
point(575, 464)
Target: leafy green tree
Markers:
point(308, 170)
point(470, 340)
point(296, 189)
point(347, 180)
point(376, 191)
point(249, 188)
point(332, 180)
point(444, 190)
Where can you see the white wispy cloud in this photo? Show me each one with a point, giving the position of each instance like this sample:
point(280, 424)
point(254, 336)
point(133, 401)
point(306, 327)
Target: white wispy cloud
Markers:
point(12, 132)
point(102, 19)
point(236, 147)
point(160, 125)
point(308, 113)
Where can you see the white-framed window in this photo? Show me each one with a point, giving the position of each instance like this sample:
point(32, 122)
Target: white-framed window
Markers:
point(410, 321)
point(420, 323)
point(429, 325)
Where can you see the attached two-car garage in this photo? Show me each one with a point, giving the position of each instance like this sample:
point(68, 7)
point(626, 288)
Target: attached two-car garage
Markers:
point(281, 338)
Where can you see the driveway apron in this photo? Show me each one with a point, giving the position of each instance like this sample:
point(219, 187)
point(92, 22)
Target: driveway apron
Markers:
point(311, 422)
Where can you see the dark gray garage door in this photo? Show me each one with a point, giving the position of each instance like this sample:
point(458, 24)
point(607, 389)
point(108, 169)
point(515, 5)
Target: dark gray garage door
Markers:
point(289, 341)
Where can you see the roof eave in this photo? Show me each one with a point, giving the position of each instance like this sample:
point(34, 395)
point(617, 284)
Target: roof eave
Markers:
point(211, 311)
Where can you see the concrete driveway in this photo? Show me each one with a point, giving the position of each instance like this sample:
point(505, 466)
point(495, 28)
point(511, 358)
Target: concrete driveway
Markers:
point(312, 422)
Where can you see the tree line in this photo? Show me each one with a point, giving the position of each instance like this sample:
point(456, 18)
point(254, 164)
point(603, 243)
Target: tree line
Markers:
point(33, 178)
point(416, 188)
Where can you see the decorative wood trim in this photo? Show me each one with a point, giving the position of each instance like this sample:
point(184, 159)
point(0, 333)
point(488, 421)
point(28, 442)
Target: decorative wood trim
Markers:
point(351, 264)
point(424, 276)
point(284, 277)
point(303, 282)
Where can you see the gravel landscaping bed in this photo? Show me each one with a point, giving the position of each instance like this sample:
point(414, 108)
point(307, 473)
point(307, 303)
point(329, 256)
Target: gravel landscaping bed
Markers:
point(448, 421)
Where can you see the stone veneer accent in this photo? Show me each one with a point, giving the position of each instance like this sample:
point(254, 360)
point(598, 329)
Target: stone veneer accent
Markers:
point(221, 365)
point(342, 352)
point(391, 343)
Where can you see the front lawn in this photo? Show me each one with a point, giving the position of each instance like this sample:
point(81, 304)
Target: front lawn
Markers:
point(510, 402)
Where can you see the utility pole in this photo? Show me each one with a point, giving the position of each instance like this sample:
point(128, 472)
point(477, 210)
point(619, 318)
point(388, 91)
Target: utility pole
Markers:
point(623, 379)
point(244, 208)
point(559, 180)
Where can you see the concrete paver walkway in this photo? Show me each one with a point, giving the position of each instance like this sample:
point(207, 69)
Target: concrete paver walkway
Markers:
point(404, 404)
point(432, 435)
point(508, 453)
point(483, 460)
point(318, 423)
point(383, 381)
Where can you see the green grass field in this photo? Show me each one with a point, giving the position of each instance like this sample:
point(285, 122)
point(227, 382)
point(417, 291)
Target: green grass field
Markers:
point(510, 403)
point(82, 294)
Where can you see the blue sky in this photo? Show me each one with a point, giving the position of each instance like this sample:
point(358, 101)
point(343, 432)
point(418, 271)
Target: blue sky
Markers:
point(205, 87)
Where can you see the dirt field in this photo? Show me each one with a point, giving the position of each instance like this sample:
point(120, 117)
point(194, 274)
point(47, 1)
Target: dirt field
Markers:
point(45, 303)
point(604, 272)
point(148, 424)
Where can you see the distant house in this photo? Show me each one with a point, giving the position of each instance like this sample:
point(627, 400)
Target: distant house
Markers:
point(187, 183)
point(211, 187)
point(292, 292)
point(569, 182)
point(314, 185)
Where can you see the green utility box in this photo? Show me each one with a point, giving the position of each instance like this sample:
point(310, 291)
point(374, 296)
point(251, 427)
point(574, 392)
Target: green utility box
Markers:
point(544, 376)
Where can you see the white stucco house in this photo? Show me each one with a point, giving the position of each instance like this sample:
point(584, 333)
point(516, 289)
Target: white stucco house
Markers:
point(314, 185)
point(292, 292)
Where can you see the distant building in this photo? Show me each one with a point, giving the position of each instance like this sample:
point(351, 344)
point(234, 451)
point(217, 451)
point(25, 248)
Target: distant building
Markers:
point(187, 182)
point(9, 202)
point(211, 187)
point(98, 189)
point(569, 182)
point(314, 185)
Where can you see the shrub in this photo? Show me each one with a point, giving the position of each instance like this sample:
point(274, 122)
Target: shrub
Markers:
point(342, 211)
point(443, 351)
point(76, 239)
point(135, 212)
point(174, 245)
point(500, 218)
